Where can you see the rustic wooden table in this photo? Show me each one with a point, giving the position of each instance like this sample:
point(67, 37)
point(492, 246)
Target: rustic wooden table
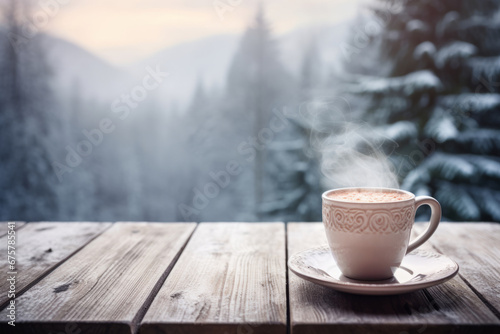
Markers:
point(227, 278)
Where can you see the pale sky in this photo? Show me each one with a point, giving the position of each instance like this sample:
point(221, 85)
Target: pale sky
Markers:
point(123, 31)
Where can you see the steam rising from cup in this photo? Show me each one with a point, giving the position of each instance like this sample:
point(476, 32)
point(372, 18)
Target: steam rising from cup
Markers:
point(352, 153)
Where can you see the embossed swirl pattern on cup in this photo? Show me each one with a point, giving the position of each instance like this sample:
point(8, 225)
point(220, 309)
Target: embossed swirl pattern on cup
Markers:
point(368, 221)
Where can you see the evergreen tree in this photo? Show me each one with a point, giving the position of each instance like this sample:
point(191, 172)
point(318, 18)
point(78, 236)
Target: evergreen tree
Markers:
point(295, 164)
point(257, 83)
point(436, 92)
point(77, 186)
point(205, 130)
point(310, 73)
point(27, 122)
point(199, 99)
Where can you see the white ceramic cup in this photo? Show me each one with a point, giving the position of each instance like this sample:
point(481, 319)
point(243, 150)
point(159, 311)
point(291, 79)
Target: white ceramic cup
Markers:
point(369, 240)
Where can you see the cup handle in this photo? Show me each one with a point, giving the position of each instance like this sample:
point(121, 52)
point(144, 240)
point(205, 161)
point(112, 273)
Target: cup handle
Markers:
point(433, 224)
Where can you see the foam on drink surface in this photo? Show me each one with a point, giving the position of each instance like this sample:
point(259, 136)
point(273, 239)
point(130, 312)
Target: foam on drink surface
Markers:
point(369, 196)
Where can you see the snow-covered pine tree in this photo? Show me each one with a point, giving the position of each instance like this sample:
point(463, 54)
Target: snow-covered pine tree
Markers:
point(197, 131)
point(310, 76)
point(27, 121)
point(295, 165)
point(77, 186)
point(257, 84)
point(438, 96)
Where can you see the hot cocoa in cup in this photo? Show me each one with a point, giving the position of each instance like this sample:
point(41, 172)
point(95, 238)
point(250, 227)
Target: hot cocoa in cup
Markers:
point(368, 229)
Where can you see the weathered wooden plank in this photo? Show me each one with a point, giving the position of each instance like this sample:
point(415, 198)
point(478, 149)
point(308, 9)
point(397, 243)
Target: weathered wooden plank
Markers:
point(231, 278)
point(106, 286)
point(451, 306)
point(40, 247)
point(476, 248)
point(3, 227)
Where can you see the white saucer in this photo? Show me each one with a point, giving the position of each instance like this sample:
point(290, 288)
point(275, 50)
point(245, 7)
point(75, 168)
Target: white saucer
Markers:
point(419, 269)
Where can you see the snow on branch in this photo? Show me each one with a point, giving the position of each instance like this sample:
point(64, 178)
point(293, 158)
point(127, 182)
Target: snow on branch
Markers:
point(454, 52)
point(441, 127)
point(471, 102)
point(410, 84)
point(484, 141)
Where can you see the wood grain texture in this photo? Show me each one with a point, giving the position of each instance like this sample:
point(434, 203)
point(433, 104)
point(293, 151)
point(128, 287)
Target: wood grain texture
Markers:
point(3, 227)
point(231, 278)
point(40, 247)
point(106, 286)
point(476, 248)
point(451, 306)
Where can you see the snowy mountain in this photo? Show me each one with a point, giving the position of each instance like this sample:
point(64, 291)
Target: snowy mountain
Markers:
point(206, 59)
point(76, 69)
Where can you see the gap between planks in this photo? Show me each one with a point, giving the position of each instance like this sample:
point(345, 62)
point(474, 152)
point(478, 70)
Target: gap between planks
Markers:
point(463, 272)
point(287, 274)
point(238, 282)
point(315, 309)
point(136, 322)
point(119, 316)
point(50, 266)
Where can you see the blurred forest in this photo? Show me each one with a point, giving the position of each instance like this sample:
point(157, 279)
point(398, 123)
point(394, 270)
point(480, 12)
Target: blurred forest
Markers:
point(412, 99)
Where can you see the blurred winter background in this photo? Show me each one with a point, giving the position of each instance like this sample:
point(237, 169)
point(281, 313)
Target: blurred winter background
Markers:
point(234, 110)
